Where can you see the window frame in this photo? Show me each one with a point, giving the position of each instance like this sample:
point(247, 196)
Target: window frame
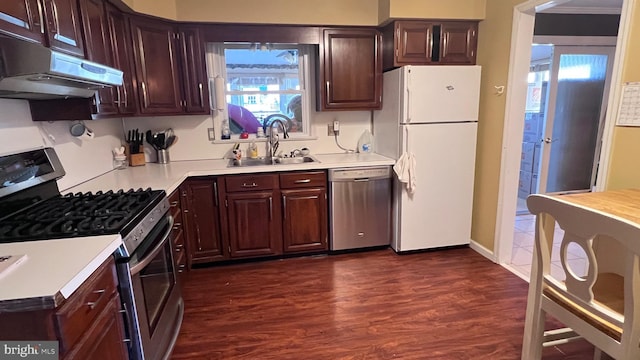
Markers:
point(216, 67)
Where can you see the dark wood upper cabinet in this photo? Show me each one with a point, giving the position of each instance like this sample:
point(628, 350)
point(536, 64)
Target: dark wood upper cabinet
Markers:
point(427, 42)
point(194, 71)
point(415, 42)
point(63, 28)
point(157, 66)
point(122, 52)
point(22, 19)
point(459, 42)
point(350, 69)
point(53, 23)
point(98, 49)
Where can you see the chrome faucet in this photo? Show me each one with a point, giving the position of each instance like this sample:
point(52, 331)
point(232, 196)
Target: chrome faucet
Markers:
point(274, 143)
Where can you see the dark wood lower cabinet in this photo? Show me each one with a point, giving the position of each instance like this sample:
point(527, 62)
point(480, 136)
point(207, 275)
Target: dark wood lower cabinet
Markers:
point(105, 339)
point(254, 224)
point(200, 210)
point(254, 215)
point(305, 220)
point(87, 325)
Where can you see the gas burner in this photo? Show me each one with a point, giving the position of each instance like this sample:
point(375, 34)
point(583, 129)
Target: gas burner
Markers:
point(80, 214)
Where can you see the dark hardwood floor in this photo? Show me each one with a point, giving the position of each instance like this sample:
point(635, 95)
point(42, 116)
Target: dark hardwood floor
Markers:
point(450, 304)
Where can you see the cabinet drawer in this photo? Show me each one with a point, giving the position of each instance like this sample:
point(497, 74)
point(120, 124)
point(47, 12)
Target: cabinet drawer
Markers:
point(82, 308)
point(251, 182)
point(177, 236)
point(181, 262)
point(174, 199)
point(303, 179)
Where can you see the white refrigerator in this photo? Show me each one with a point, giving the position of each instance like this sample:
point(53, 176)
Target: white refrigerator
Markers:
point(432, 112)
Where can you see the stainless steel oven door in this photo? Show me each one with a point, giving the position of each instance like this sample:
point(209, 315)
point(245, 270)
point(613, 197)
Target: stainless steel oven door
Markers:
point(154, 302)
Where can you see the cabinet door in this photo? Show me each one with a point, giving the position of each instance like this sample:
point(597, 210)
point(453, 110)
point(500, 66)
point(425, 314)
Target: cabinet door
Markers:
point(201, 214)
point(122, 52)
point(350, 69)
point(105, 338)
point(98, 49)
point(178, 247)
point(414, 43)
point(254, 224)
point(194, 73)
point(458, 45)
point(63, 27)
point(157, 68)
point(22, 19)
point(304, 220)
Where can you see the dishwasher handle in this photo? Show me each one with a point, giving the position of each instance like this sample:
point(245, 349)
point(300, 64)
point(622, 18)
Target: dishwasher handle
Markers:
point(361, 174)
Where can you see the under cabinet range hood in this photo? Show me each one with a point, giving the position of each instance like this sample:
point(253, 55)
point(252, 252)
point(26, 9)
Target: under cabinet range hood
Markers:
point(32, 71)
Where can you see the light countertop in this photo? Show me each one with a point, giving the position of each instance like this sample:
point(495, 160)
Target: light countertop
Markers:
point(54, 269)
point(169, 176)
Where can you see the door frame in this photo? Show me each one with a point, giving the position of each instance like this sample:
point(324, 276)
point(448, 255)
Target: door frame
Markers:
point(521, 40)
point(550, 111)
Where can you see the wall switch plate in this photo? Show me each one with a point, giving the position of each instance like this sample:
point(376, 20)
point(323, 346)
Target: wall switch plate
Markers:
point(330, 129)
point(211, 134)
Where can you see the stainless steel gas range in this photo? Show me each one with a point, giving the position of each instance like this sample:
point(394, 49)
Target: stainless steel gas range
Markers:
point(32, 208)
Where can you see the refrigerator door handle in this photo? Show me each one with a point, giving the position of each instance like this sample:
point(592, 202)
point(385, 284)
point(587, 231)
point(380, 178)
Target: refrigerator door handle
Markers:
point(408, 96)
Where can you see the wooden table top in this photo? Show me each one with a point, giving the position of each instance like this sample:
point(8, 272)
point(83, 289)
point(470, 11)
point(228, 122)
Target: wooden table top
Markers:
point(621, 203)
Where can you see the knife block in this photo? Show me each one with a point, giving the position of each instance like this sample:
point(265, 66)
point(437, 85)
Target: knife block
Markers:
point(136, 159)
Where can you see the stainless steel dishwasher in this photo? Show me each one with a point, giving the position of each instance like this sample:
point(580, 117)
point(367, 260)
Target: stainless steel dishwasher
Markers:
point(360, 207)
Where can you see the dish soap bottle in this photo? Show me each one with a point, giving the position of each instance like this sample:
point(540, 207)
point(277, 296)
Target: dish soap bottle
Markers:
point(365, 143)
point(226, 132)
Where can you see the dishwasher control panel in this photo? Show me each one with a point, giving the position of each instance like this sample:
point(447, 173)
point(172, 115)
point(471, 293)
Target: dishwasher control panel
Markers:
point(350, 174)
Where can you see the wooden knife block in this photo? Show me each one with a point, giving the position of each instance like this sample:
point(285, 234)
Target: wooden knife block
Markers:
point(136, 159)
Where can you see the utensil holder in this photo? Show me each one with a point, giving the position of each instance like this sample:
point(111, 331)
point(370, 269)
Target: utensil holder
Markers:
point(136, 159)
point(163, 156)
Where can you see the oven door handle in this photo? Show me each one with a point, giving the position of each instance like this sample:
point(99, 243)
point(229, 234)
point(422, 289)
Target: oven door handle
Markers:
point(135, 269)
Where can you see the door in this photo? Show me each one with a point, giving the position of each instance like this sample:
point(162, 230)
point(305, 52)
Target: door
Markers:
point(22, 19)
point(202, 227)
point(98, 49)
point(304, 222)
point(350, 69)
point(196, 89)
point(435, 94)
point(254, 224)
point(445, 166)
point(157, 69)
point(578, 87)
point(122, 50)
point(63, 27)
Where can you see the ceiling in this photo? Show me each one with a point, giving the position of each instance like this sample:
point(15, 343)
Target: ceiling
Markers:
point(588, 7)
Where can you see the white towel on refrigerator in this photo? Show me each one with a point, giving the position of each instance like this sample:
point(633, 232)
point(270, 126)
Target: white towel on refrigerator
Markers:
point(405, 169)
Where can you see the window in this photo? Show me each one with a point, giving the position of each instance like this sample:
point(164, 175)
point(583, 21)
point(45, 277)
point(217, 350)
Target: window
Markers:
point(262, 83)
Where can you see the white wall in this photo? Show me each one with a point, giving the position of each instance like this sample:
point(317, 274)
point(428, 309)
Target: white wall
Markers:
point(82, 160)
point(193, 142)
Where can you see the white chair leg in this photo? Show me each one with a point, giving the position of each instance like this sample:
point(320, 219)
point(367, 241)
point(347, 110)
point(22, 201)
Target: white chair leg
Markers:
point(533, 334)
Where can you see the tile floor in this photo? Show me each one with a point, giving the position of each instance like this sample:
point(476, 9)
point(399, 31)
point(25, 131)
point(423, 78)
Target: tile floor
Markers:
point(522, 253)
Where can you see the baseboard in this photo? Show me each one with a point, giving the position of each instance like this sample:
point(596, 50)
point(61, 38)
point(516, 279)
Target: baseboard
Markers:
point(482, 251)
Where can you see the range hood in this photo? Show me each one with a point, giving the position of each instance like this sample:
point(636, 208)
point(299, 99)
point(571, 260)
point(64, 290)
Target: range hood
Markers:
point(32, 71)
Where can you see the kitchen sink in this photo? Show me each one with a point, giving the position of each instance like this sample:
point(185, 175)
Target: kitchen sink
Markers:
point(261, 161)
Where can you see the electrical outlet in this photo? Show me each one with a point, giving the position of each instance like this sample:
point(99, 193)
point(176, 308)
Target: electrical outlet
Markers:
point(333, 128)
